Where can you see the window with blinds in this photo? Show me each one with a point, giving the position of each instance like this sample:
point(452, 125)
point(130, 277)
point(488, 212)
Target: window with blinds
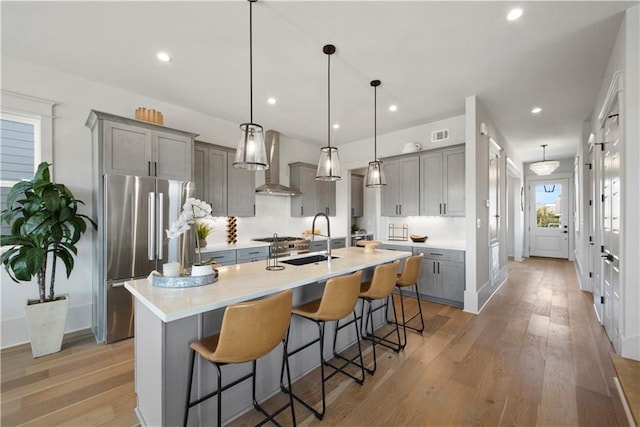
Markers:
point(17, 156)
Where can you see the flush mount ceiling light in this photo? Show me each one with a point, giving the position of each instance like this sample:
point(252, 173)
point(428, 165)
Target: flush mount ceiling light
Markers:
point(251, 153)
point(329, 162)
point(336, 126)
point(393, 107)
point(163, 56)
point(536, 110)
point(514, 14)
point(545, 167)
point(272, 101)
point(375, 172)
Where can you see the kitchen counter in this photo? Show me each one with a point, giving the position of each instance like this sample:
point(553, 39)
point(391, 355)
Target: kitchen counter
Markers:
point(168, 320)
point(240, 245)
point(456, 245)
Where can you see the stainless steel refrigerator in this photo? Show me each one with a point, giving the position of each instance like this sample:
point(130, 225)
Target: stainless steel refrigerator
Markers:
point(135, 213)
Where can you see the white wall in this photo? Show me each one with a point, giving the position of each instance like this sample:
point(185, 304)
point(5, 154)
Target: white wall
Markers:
point(74, 99)
point(625, 57)
point(478, 285)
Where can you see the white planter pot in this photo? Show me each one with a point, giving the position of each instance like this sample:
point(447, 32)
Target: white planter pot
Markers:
point(201, 270)
point(46, 325)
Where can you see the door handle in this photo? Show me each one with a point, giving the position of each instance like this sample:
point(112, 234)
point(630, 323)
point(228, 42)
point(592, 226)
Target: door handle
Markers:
point(160, 226)
point(607, 257)
point(565, 232)
point(151, 226)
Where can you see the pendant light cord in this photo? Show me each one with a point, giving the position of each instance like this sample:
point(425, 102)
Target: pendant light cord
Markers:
point(329, 103)
point(251, 60)
point(375, 123)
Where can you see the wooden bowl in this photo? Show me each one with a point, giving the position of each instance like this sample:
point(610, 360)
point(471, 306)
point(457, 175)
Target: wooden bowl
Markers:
point(369, 245)
point(418, 239)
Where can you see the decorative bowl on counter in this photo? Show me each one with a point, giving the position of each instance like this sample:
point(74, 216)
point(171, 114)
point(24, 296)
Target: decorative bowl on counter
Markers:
point(184, 281)
point(418, 239)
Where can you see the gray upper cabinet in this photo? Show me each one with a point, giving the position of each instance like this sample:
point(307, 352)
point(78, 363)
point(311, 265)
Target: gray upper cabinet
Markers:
point(357, 199)
point(442, 176)
point(317, 196)
point(229, 191)
point(241, 190)
point(132, 147)
point(401, 195)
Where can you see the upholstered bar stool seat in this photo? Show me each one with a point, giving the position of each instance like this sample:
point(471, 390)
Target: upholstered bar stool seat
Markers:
point(379, 288)
point(406, 279)
point(338, 300)
point(249, 331)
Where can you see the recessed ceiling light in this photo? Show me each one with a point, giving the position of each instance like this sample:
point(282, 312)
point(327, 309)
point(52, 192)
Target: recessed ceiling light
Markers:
point(336, 126)
point(536, 110)
point(163, 56)
point(272, 101)
point(393, 107)
point(514, 14)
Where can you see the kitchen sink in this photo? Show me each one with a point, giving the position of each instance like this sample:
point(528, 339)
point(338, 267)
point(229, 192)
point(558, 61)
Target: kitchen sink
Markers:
point(307, 260)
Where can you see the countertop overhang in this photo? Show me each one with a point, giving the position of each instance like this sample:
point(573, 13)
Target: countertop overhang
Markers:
point(455, 245)
point(243, 282)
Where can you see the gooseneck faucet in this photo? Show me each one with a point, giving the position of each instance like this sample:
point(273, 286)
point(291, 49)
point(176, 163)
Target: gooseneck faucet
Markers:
point(328, 236)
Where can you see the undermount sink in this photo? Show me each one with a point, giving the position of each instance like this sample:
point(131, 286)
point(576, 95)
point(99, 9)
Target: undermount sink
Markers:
point(307, 260)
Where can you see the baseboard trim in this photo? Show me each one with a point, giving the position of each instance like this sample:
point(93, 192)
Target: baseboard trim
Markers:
point(625, 404)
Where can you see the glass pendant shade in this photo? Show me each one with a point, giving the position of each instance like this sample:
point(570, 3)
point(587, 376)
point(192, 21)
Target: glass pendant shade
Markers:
point(545, 167)
point(375, 175)
point(329, 165)
point(251, 153)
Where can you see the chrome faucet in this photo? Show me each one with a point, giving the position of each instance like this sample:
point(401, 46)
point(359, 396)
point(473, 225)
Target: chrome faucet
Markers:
point(328, 236)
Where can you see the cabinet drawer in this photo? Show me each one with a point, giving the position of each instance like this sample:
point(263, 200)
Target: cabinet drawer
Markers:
point(440, 254)
point(252, 254)
point(317, 245)
point(338, 243)
point(221, 257)
point(396, 248)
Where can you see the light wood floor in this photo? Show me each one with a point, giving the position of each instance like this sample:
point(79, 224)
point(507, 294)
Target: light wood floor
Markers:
point(534, 356)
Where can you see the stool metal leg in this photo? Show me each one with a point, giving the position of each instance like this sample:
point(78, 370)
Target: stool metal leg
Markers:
point(186, 405)
point(375, 339)
point(405, 321)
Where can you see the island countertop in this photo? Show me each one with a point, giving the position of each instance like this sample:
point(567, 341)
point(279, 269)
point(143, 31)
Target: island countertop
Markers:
point(243, 282)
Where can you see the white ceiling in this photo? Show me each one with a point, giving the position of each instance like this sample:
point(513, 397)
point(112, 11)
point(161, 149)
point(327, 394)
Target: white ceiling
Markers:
point(428, 55)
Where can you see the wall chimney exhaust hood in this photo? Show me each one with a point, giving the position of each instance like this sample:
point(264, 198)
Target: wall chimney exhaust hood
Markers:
point(272, 186)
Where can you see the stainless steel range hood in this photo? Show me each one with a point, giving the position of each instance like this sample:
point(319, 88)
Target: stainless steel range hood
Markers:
point(272, 186)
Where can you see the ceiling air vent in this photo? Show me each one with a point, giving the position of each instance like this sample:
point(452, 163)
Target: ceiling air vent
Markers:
point(440, 135)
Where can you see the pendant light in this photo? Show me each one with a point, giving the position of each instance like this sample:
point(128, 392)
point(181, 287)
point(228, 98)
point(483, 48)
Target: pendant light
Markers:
point(329, 162)
point(375, 173)
point(251, 153)
point(545, 167)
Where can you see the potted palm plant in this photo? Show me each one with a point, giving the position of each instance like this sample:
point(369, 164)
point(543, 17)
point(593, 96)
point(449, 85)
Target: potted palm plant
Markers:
point(45, 227)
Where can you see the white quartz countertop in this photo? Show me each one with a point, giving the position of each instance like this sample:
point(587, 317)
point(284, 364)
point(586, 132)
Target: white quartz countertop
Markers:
point(456, 245)
point(226, 247)
point(243, 282)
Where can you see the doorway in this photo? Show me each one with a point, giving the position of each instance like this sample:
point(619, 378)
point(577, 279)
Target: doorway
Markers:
point(515, 212)
point(549, 220)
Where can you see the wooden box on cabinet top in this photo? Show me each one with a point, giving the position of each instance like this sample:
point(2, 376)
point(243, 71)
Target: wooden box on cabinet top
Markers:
point(132, 147)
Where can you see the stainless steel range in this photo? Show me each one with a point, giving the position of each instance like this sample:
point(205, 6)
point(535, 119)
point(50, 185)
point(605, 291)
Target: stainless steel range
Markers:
point(287, 245)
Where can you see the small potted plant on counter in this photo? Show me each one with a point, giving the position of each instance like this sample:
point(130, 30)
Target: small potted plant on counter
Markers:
point(194, 211)
point(45, 227)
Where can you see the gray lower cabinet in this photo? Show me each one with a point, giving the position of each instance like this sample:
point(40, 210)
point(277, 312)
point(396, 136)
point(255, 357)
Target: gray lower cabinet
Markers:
point(401, 195)
point(321, 245)
point(441, 277)
point(317, 196)
point(229, 191)
point(237, 256)
point(442, 176)
point(132, 147)
point(225, 257)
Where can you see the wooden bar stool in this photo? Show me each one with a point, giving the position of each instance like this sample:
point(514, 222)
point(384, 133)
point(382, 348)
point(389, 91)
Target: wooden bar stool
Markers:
point(338, 300)
point(379, 288)
point(409, 277)
point(249, 331)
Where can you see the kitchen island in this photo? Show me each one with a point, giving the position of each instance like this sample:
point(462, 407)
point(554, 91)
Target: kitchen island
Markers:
point(167, 320)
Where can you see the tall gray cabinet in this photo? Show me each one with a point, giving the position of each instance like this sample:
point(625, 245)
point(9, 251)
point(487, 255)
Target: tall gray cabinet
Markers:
point(357, 196)
point(229, 191)
point(442, 175)
point(401, 194)
point(316, 196)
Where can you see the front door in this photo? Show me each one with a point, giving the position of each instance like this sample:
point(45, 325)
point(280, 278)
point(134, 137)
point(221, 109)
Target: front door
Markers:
point(549, 225)
point(610, 217)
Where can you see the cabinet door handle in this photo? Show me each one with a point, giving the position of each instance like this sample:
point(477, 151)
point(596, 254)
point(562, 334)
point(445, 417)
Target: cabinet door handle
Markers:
point(440, 207)
point(254, 209)
point(438, 268)
point(445, 208)
point(400, 208)
point(353, 211)
point(434, 267)
point(301, 210)
point(148, 168)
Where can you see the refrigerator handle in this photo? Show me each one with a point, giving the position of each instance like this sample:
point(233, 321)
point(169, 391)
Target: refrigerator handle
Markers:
point(160, 226)
point(151, 224)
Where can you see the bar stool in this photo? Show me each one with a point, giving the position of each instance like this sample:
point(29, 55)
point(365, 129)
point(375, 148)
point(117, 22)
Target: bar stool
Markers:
point(379, 288)
point(338, 300)
point(249, 331)
point(409, 277)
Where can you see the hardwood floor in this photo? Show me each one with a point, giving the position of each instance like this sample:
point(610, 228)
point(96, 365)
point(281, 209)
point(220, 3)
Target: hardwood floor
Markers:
point(534, 356)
